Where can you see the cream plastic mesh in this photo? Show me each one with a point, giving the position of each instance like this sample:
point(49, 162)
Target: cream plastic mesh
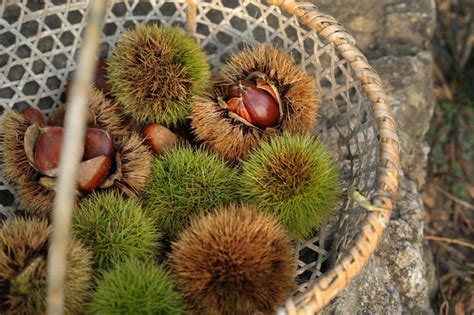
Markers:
point(39, 41)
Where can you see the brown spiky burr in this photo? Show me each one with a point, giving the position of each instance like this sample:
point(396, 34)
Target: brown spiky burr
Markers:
point(103, 113)
point(23, 273)
point(234, 261)
point(129, 166)
point(255, 82)
point(36, 199)
point(135, 160)
point(132, 173)
point(15, 162)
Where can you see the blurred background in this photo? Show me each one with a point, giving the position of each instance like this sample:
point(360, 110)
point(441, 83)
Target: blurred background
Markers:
point(423, 51)
point(449, 192)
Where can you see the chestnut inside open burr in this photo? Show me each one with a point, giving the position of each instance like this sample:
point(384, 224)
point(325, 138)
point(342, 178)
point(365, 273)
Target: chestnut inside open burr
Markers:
point(255, 101)
point(96, 157)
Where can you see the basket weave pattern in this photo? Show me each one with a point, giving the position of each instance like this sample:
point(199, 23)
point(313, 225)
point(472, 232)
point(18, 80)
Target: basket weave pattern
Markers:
point(42, 40)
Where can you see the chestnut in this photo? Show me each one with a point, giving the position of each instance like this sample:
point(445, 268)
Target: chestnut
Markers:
point(48, 150)
point(256, 103)
point(93, 172)
point(159, 138)
point(214, 118)
point(98, 142)
point(35, 116)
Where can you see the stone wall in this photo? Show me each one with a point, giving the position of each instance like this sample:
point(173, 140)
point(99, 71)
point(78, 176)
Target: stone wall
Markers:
point(396, 35)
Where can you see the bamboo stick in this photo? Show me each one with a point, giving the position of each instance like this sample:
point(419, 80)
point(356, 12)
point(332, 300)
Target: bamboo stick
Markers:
point(191, 14)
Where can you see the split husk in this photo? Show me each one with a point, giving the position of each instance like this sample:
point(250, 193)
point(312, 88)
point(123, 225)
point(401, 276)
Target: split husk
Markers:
point(230, 137)
point(131, 167)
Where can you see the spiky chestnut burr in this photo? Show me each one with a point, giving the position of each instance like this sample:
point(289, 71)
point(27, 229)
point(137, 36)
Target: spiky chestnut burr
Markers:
point(103, 113)
point(136, 287)
point(155, 72)
point(186, 182)
point(131, 163)
point(295, 178)
point(115, 228)
point(16, 166)
point(36, 199)
point(132, 172)
point(136, 165)
point(234, 260)
point(23, 273)
point(274, 92)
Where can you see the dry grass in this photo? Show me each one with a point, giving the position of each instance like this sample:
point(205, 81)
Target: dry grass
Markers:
point(449, 193)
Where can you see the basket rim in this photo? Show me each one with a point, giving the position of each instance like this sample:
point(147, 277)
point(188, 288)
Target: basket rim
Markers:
point(351, 263)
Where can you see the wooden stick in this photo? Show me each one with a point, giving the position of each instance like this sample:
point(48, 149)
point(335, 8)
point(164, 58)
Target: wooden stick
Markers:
point(75, 125)
point(191, 13)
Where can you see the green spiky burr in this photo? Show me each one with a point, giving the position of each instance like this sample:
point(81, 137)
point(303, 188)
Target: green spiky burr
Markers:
point(186, 182)
point(136, 287)
point(155, 72)
point(295, 178)
point(115, 228)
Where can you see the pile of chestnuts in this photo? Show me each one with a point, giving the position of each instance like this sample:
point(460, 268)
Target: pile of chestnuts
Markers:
point(97, 154)
point(206, 181)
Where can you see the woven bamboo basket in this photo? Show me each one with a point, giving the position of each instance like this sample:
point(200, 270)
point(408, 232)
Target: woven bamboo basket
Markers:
point(39, 42)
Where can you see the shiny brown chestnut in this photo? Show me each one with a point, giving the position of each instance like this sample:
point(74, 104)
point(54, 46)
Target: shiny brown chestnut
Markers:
point(256, 101)
point(98, 142)
point(35, 116)
point(48, 150)
point(93, 172)
point(159, 138)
